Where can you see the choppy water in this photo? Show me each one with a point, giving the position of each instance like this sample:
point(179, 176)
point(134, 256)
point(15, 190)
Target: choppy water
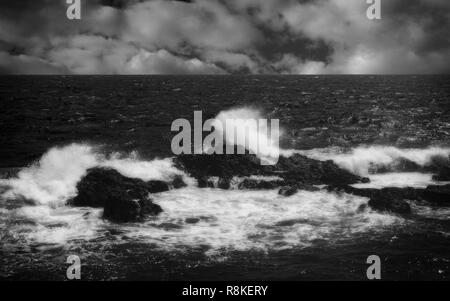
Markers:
point(55, 128)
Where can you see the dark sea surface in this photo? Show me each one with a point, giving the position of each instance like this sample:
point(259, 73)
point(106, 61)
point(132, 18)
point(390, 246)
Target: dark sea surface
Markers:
point(357, 121)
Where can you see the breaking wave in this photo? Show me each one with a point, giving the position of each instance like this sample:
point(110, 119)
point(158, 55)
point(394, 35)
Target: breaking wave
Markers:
point(52, 180)
point(365, 160)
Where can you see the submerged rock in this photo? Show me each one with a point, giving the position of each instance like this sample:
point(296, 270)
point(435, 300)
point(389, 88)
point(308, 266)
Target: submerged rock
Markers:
point(121, 208)
point(214, 182)
point(292, 189)
point(393, 198)
point(124, 199)
point(259, 184)
point(178, 182)
point(7, 173)
point(287, 190)
point(437, 194)
point(440, 166)
point(443, 174)
point(386, 199)
point(385, 203)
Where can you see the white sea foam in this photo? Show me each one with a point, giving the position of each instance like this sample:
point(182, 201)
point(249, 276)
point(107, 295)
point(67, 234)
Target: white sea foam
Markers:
point(431, 212)
point(58, 225)
point(52, 180)
point(361, 159)
point(264, 220)
point(214, 220)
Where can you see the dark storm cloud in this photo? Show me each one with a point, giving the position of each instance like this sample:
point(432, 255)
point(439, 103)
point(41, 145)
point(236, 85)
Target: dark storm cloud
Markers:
point(225, 36)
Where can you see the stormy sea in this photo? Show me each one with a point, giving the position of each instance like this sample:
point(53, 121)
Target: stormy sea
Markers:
point(86, 169)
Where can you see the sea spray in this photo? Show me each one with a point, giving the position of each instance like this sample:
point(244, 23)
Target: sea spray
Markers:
point(233, 131)
point(362, 160)
point(52, 180)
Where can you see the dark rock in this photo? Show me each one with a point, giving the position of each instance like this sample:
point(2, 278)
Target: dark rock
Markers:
point(292, 189)
point(213, 182)
point(223, 183)
point(120, 208)
point(365, 180)
point(437, 194)
point(156, 186)
point(302, 186)
point(292, 222)
point(216, 165)
point(97, 187)
point(385, 203)
point(7, 173)
point(168, 226)
point(288, 190)
point(386, 199)
point(309, 171)
point(191, 220)
point(434, 194)
point(124, 199)
point(440, 166)
point(295, 169)
point(178, 182)
point(399, 165)
point(443, 174)
point(259, 184)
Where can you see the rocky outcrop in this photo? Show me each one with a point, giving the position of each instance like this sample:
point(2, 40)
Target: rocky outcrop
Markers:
point(213, 182)
point(394, 199)
point(294, 169)
point(121, 208)
point(123, 199)
point(443, 174)
point(386, 199)
point(436, 194)
point(440, 166)
point(382, 202)
point(177, 182)
point(293, 189)
point(250, 183)
point(287, 190)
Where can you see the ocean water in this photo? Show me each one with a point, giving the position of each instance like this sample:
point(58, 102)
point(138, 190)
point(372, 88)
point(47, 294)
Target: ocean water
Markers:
point(54, 128)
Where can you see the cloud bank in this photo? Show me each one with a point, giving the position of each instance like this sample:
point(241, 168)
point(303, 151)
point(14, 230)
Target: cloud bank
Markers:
point(220, 37)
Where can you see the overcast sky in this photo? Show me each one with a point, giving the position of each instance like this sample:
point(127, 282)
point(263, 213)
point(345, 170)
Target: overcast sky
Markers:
point(224, 36)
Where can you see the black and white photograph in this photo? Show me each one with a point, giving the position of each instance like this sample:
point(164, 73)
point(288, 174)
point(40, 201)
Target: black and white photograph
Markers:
point(224, 142)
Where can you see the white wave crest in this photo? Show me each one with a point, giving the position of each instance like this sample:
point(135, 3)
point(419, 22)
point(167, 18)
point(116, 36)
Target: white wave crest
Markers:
point(52, 180)
point(360, 160)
